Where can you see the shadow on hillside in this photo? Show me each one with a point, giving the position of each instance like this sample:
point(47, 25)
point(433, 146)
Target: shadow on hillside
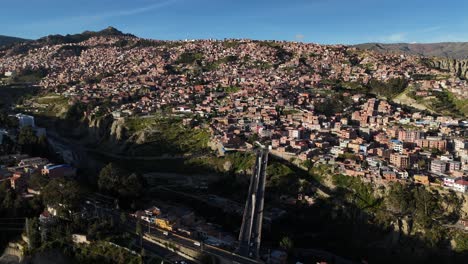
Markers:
point(343, 229)
point(349, 232)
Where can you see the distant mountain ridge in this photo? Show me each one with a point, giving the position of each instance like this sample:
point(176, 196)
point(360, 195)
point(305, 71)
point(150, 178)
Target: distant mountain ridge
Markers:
point(21, 46)
point(75, 38)
point(6, 40)
point(453, 50)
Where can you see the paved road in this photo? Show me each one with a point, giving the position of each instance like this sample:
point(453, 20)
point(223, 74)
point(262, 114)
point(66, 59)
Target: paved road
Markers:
point(150, 230)
point(102, 211)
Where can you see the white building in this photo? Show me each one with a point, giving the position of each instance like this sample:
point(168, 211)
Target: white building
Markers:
point(450, 181)
point(460, 186)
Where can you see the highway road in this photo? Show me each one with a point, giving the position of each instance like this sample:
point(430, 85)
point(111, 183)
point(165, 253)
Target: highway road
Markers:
point(151, 231)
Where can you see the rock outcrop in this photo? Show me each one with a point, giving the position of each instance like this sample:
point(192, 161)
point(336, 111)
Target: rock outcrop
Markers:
point(459, 67)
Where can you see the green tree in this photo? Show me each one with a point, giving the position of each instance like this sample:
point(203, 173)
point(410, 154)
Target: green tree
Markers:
point(427, 206)
point(286, 244)
point(461, 242)
point(119, 182)
point(27, 139)
point(422, 164)
point(75, 112)
point(32, 231)
point(62, 194)
point(400, 199)
point(38, 181)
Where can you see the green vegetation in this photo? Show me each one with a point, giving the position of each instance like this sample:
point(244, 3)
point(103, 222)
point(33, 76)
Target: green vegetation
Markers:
point(461, 241)
point(52, 99)
point(354, 86)
point(166, 136)
point(356, 219)
point(290, 112)
point(231, 44)
point(137, 124)
point(64, 195)
point(460, 104)
point(234, 163)
point(49, 105)
point(281, 179)
point(75, 112)
point(228, 59)
point(388, 89)
point(231, 89)
point(419, 76)
point(119, 183)
point(104, 252)
point(189, 58)
point(13, 205)
point(104, 248)
point(353, 190)
point(211, 66)
point(287, 244)
point(332, 105)
point(428, 207)
point(32, 230)
point(30, 75)
point(31, 144)
point(444, 104)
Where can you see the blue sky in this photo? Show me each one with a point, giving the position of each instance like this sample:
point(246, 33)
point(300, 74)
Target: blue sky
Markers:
point(320, 21)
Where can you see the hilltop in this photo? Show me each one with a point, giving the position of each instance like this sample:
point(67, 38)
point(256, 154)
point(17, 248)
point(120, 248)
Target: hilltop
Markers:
point(128, 71)
point(454, 50)
point(76, 38)
point(20, 46)
point(6, 40)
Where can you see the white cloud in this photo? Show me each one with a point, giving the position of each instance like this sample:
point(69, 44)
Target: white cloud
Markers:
point(135, 11)
point(395, 37)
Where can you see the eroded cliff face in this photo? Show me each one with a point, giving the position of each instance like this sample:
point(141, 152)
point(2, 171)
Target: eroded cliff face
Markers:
point(458, 67)
point(96, 131)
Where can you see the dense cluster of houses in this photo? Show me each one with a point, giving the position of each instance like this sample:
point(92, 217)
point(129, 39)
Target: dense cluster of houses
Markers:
point(270, 90)
point(140, 80)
